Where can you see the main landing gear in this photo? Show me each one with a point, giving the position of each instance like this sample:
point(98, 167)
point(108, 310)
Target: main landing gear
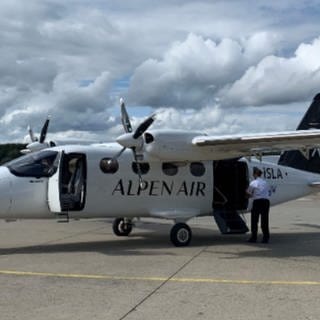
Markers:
point(122, 227)
point(180, 234)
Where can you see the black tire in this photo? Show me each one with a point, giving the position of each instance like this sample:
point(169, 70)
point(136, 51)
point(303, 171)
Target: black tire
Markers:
point(180, 235)
point(121, 228)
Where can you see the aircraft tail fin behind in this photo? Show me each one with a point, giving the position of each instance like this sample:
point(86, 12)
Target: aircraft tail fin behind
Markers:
point(295, 159)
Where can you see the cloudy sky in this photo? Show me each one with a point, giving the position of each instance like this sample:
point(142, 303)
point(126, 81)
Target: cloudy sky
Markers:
point(218, 66)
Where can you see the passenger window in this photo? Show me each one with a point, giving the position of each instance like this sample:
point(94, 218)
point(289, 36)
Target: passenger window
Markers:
point(170, 169)
point(144, 167)
point(109, 165)
point(197, 169)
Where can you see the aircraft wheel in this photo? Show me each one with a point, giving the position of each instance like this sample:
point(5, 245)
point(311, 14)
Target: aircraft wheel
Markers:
point(121, 227)
point(180, 235)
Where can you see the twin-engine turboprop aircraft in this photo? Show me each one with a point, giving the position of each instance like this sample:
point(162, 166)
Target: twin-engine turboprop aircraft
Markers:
point(166, 174)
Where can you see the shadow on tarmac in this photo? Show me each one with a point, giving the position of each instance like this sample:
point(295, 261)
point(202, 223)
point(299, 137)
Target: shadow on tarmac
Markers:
point(146, 243)
point(281, 245)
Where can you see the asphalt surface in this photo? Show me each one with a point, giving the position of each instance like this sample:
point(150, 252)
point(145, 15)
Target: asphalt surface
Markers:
point(80, 270)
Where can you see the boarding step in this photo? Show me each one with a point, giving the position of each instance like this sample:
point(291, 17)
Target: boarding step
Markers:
point(229, 221)
point(63, 217)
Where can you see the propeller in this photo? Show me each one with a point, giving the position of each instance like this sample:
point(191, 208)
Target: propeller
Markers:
point(125, 117)
point(37, 144)
point(32, 137)
point(44, 130)
point(132, 140)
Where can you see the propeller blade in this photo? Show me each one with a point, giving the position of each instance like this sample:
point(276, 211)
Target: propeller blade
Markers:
point(44, 130)
point(143, 127)
point(32, 137)
point(138, 167)
point(117, 155)
point(125, 117)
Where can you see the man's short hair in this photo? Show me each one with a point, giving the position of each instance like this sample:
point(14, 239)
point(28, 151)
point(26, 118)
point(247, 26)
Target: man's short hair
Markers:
point(257, 171)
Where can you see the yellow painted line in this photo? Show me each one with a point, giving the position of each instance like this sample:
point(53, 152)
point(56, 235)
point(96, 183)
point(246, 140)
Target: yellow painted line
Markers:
point(159, 279)
point(267, 282)
point(79, 276)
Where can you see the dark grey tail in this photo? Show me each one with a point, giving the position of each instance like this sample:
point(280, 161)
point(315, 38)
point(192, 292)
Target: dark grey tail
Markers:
point(295, 159)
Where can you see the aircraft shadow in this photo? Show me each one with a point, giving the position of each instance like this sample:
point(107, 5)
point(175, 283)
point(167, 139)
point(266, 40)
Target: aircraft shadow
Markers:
point(146, 243)
point(309, 225)
point(132, 245)
point(281, 245)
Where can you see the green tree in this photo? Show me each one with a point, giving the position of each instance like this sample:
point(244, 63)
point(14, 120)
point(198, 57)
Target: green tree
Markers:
point(10, 151)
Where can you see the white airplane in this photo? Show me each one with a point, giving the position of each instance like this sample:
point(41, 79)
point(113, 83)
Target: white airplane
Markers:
point(165, 174)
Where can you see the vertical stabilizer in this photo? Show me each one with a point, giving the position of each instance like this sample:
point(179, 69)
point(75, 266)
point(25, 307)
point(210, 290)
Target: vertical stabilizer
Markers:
point(295, 159)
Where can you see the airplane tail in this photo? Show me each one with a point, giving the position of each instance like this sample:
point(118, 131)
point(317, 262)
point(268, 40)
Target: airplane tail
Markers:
point(295, 159)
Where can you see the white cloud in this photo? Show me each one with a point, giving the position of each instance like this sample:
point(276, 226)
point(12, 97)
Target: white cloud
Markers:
point(192, 72)
point(67, 59)
point(214, 120)
point(260, 44)
point(278, 80)
point(70, 106)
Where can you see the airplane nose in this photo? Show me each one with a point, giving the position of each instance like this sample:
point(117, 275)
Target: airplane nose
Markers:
point(5, 191)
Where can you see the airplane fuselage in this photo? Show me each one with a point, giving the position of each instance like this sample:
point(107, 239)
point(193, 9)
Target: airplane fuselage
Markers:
point(173, 190)
point(166, 174)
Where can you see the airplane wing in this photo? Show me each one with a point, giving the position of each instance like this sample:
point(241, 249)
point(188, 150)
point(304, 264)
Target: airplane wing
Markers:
point(258, 144)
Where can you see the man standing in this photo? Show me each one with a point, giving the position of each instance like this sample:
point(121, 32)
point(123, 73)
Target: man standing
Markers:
point(259, 191)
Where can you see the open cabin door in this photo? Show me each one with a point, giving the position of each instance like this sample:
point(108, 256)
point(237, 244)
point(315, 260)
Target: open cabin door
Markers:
point(231, 180)
point(229, 198)
point(67, 187)
point(54, 202)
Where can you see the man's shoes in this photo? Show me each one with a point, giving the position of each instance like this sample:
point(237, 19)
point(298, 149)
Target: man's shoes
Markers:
point(252, 240)
point(265, 240)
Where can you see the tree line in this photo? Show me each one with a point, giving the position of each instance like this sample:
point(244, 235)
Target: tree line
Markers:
point(10, 151)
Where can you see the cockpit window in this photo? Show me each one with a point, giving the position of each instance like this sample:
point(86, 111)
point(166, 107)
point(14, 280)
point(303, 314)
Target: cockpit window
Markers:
point(38, 164)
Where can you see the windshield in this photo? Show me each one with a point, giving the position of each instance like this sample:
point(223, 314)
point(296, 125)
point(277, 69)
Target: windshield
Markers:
point(38, 164)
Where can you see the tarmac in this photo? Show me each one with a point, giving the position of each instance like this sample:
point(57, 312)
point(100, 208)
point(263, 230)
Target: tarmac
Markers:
point(81, 270)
